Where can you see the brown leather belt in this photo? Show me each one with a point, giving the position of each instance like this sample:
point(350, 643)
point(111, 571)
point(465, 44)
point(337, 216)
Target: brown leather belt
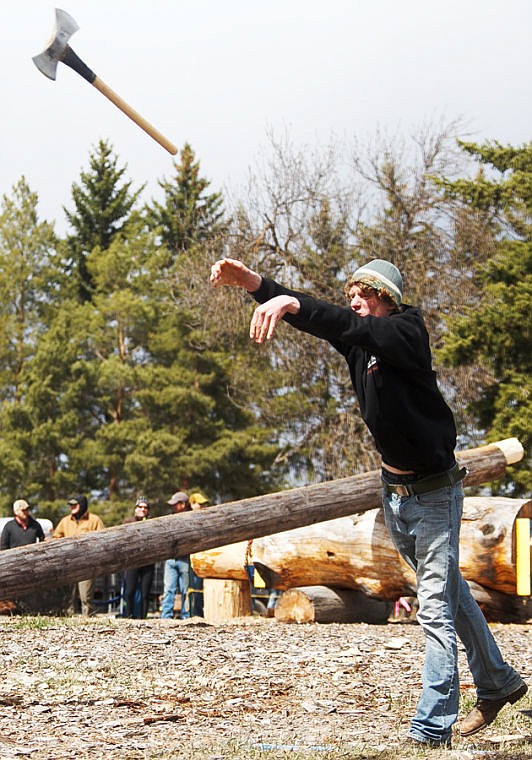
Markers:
point(430, 483)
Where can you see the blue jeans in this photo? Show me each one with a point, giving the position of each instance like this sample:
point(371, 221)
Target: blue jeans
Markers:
point(195, 595)
point(176, 575)
point(425, 530)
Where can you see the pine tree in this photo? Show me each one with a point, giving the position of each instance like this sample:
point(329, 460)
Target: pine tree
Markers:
point(30, 282)
point(494, 330)
point(103, 202)
point(188, 214)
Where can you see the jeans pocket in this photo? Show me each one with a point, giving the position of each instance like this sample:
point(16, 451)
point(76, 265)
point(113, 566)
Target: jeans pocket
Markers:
point(437, 499)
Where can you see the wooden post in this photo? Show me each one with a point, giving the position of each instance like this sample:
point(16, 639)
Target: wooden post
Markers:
point(522, 555)
point(68, 560)
point(224, 600)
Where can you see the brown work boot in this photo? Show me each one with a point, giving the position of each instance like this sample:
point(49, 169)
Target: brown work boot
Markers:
point(486, 710)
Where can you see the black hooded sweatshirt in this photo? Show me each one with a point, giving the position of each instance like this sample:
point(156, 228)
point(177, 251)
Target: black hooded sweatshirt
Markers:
point(389, 363)
point(83, 506)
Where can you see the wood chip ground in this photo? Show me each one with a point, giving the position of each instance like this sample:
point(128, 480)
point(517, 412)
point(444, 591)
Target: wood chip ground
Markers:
point(253, 688)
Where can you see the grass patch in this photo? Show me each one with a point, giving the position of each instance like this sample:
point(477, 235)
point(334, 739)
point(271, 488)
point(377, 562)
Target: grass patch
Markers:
point(36, 622)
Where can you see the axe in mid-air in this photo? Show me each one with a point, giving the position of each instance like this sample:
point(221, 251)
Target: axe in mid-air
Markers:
point(58, 49)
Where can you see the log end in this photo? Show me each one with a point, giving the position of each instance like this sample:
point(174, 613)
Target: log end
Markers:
point(512, 450)
point(294, 606)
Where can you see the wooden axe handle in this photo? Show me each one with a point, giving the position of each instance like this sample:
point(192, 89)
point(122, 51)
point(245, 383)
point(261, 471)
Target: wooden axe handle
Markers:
point(134, 115)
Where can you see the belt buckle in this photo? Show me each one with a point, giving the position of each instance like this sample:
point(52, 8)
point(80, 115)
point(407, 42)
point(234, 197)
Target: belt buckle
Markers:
point(402, 490)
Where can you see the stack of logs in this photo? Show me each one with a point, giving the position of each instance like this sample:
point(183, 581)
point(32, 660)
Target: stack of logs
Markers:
point(333, 569)
point(347, 570)
point(343, 546)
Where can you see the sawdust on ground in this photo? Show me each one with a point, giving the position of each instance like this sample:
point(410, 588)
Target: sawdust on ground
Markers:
point(158, 689)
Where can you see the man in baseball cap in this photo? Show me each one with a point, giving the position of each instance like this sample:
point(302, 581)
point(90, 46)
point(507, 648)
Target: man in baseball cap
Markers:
point(198, 500)
point(177, 571)
point(178, 498)
point(23, 529)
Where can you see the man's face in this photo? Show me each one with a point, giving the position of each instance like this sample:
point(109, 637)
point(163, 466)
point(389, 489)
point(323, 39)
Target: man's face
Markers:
point(365, 302)
point(74, 509)
point(23, 514)
point(180, 506)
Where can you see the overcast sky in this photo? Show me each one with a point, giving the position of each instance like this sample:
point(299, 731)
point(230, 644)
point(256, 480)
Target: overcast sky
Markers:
point(220, 75)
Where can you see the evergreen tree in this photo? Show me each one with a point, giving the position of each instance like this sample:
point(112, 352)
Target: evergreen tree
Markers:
point(57, 414)
point(132, 399)
point(103, 201)
point(495, 329)
point(188, 215)
point(30, 281)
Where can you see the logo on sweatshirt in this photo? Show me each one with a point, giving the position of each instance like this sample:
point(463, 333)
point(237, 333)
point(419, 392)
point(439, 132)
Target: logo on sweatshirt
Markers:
point(372, 365)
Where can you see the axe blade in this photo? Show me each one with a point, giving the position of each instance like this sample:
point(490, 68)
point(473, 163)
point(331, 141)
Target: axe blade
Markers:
point(47, 61)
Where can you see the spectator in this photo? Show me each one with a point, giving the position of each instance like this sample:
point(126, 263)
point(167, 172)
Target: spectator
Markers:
point(138, 577)
point(197, 501)
point(77, 523)
point(177, 571)
point(23, 529)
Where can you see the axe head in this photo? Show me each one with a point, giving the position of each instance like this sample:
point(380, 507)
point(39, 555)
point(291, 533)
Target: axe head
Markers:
point(47, 61)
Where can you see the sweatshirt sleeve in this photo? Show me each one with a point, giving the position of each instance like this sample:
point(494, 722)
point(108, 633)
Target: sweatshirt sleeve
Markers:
point(400, 339)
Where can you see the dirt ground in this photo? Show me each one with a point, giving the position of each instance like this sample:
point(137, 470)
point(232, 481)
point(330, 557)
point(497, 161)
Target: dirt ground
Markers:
point(253, 688)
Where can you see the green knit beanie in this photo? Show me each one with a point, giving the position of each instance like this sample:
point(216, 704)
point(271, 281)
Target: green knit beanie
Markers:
point(381, 275)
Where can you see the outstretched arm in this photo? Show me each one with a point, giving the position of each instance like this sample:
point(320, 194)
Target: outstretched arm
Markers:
point(268, 314)
point(234, 272)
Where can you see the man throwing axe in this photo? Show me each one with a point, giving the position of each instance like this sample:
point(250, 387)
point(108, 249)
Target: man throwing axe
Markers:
point(386, 346)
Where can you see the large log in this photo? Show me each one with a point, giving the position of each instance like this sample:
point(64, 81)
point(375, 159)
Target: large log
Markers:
point(67, 560)
point(356, 552)
point(321, 604)
point(501, 608)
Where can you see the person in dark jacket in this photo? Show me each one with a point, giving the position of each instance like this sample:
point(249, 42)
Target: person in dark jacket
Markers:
point(79, 522)
point(138, 577)
point(23, 529)
point(386, 346)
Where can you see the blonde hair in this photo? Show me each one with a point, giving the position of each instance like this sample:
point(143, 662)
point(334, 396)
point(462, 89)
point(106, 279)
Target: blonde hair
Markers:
point(369, 289)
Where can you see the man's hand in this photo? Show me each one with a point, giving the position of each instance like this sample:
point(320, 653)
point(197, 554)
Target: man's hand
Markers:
point(267, 315)
point(234, 272)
